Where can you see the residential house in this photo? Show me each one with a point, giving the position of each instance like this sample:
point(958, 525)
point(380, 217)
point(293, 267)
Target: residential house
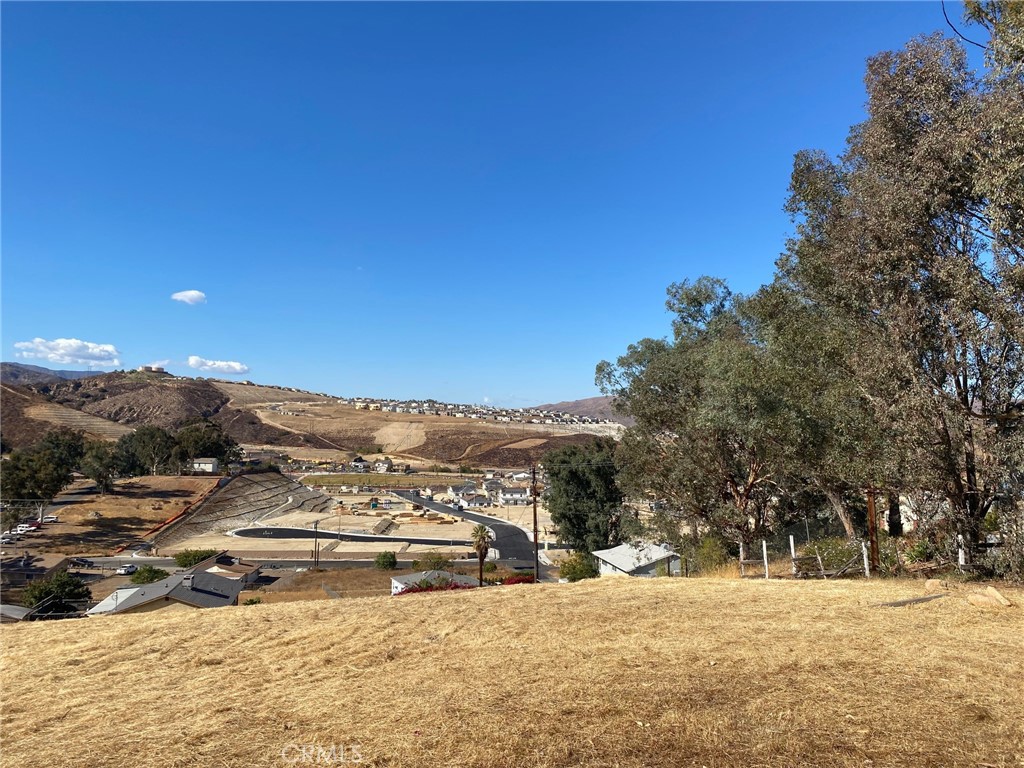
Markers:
point(401, 583)
point(223, 564)
point(510, 497)
point(180, 591)
point(642, 559)
point(359, 464)
point(383, 465)
point(206, 465)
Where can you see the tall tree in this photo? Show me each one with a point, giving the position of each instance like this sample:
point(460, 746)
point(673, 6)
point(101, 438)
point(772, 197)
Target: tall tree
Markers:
point(99, 464)
point(147, 449)
point(204, 439)
point(912, 237)
point(711, 435)
point(583, 495)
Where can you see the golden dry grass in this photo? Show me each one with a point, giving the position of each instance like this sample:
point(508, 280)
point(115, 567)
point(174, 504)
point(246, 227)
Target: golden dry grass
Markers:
point(603, 673)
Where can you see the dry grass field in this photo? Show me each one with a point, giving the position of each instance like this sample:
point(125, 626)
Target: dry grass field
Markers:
point(95, 523)
point(628, 673)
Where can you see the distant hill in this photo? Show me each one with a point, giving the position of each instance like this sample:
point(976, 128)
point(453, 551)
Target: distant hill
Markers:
point(19, 373)
point(126, 399)
point(594, 407)
point(107, 405)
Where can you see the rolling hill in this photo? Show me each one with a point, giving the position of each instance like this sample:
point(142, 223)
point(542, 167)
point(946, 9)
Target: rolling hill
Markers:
point(19, 373)
point(303, 423)
point(609, 672)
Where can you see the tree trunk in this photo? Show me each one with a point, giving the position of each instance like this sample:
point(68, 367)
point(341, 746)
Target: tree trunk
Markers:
point(894, 521)
point(836, 500)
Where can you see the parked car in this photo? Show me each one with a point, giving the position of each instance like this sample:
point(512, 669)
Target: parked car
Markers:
point(82, 562)
point(51, 519)
point(126, 570)
point(8, 540)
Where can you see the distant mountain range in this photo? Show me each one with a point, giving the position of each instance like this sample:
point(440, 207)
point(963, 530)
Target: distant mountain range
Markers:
point(19, 373)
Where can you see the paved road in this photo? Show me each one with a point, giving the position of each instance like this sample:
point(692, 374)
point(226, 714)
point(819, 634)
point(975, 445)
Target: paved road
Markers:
point(308, 533)
point(510, 540)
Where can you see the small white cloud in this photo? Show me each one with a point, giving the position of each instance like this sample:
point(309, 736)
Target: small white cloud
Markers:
point(216, 366)
point(189, 297)
point(70, 352)
point(159, 364)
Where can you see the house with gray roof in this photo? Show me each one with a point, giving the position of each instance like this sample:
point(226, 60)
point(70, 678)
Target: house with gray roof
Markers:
point(637, 560)
point(401, 583)
point(180, 591)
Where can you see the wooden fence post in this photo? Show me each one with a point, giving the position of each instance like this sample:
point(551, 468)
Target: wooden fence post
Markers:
point(867, 561)
point(743, 556)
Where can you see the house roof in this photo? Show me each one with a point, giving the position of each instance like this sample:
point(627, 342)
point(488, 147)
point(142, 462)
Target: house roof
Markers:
point(416, 578)
point(14, 612)
point(629, 557)
point(207, 591)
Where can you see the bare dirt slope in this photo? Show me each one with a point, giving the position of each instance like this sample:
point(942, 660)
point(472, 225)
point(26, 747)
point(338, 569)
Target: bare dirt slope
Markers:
point(628, 673)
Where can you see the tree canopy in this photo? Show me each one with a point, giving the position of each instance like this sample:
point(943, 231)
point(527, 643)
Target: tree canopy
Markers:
point(583, 496)
point(888, 353)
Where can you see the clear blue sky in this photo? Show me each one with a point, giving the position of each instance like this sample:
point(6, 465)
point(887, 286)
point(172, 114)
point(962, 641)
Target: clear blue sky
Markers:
point(472, 201)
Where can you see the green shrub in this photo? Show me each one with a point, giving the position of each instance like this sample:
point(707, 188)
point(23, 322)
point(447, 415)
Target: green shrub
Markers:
point(578, 566)
point(710, 553)
point(253, 601)
point(386, 561)
point(433, 561)
point(190, 557)
point(59, 589)
point(490, 567)
point(147, 574)
point(920, 551)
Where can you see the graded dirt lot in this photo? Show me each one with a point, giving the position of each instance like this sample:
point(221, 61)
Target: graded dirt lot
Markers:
point(91, 523)
point(615, 672)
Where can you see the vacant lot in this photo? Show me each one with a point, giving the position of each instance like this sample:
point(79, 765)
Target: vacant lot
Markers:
point(623, 673)
point(91, 523)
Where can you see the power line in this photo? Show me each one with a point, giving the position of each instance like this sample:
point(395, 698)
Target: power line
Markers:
point(958, 32)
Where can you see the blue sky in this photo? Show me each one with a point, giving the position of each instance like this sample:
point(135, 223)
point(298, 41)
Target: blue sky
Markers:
point(467, 201)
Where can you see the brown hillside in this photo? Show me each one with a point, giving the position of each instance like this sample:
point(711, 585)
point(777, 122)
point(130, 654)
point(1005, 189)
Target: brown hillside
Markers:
point(27, 416)
point(594, 407)
point(612, 672)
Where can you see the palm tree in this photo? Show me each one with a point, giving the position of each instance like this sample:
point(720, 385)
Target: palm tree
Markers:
point(481, 538)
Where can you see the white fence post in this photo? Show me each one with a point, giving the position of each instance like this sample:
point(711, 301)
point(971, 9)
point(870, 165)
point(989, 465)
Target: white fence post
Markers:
point(764, 549)
point(743, 556)
point(792, 553)
point(867, 560)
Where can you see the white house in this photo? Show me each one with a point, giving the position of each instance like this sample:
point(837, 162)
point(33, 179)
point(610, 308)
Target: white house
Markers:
point(401, 583)
point(383, 465)
point(513, 496)
point(637, 560)
point(206, 465)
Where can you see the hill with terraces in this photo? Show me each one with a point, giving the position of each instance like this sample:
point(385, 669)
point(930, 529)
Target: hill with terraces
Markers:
point(110, 404)
point(240, 501)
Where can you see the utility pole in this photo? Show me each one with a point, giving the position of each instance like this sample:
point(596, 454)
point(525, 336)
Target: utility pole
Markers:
point(316, 544)
point(536, 544)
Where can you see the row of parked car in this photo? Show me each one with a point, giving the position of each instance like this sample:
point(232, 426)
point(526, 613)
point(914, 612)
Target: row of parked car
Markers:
point(25, 528)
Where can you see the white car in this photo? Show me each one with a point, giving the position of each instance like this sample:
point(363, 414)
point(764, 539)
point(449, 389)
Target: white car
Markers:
point(51, 519)
point(126, 570)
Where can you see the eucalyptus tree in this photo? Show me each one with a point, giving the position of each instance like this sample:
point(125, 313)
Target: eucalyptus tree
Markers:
point(712, 435)
point(912, 240)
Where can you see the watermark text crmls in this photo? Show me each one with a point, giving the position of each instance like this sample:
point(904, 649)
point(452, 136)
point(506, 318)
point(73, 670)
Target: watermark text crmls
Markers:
point(321, 754)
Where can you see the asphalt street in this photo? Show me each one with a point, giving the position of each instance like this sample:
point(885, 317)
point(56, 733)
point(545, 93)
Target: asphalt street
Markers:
point(510, 540)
